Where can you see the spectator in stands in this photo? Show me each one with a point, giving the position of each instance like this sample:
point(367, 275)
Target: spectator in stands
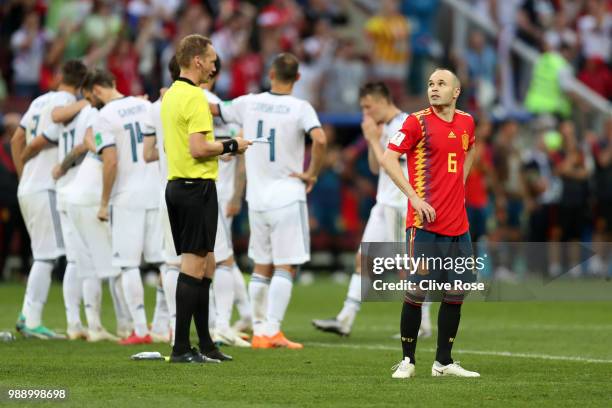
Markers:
point(597, 75)
point(421, 14)
point(476, 185)
point(507, 187)
point(123, 63)
point(574, 171)
point(602, 152)
point(347, 69)
point(550, 80)
point(595, 30)
point(389, 32)
point(480, 67)
point(542, 192)
point(28, 45)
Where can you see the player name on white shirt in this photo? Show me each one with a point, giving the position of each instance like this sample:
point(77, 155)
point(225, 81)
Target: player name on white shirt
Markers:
point(123, 123)
point(37, 171)
point(277, 125)
point(387, 192)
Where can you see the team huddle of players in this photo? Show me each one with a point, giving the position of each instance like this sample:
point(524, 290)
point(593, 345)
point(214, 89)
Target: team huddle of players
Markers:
point(92, 180)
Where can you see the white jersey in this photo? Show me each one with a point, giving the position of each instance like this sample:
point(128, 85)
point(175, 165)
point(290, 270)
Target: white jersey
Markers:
point(37, 171)
point(227, 168)
point(387, 192)
point(69, 135)
point(86, 186)
point(277, 125)
point(123, 123)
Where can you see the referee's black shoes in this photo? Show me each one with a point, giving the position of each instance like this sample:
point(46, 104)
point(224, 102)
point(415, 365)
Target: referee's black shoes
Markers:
point(192, 356)
point(216, 354)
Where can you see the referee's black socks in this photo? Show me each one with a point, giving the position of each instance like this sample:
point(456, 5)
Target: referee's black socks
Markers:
point(187, 297)
point(200, 316)
point(409, 328)
point(448, 324)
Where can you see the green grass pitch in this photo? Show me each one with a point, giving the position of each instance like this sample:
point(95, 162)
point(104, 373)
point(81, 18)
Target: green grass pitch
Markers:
point(529, 354)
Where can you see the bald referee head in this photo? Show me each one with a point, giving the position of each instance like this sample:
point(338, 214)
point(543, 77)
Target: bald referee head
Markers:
point(191, 195)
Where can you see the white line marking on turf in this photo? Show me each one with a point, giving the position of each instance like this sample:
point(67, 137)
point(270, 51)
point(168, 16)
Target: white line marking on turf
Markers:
point(475, 352)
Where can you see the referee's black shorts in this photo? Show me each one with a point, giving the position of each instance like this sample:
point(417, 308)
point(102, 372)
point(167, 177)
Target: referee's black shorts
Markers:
point(193, 211)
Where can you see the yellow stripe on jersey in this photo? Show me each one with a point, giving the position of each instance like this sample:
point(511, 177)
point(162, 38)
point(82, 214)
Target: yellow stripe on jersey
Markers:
point(419, 166)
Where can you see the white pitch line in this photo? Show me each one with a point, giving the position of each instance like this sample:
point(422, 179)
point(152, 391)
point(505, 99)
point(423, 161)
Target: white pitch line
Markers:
point(475, 352)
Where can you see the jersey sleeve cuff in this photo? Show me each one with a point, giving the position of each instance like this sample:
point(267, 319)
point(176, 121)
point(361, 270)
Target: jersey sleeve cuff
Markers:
point(313, 128)
point(395, 148)
point(49, 139)
point(99, 151)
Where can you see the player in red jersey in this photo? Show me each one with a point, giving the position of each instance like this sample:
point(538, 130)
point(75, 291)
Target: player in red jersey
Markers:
point(438, 144)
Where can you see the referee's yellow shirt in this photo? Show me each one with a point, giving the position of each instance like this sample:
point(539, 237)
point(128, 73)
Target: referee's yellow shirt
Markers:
point(185, 110)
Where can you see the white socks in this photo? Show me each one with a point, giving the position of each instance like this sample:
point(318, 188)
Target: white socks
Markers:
point(241, 297)
point(73, 292)
point(223, 289)
point(122, 314)
point(161, 316)
point(352, 303)
point(278, 300)
point(92, 298)
point(134, 297)
point(36, 292)
point(258, 294)
point(425, 316)
point(169, 275)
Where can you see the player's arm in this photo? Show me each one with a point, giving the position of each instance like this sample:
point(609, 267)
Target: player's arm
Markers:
point(317, 157)
point(467, 164)
point(233, 207)
point(149, 149)
point(214, 108)
point(89, 142)
point(391, 164)
point(39, 143)
point(63, 114)
point(109, 173)
point(200, 148)
point(73, 156)
point(18, 144)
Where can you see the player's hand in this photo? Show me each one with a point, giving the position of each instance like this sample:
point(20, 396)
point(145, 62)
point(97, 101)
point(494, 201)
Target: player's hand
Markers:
point(233, 208)
point(103, 213)
point(308, 179)
point(226, 157)
point(424, 210)
point(57, 172)
point(372, 131)
point(243, 144)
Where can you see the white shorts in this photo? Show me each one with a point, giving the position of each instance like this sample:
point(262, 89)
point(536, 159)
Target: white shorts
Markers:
point(385, 224)
point(42, 220)
point(280, 236)
point(168, 250)
point(223, 241)
point(136, 234)
point(72, 243)
point(94, 254)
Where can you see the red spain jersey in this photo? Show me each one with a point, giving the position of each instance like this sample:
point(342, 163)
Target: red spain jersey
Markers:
point(436, 151)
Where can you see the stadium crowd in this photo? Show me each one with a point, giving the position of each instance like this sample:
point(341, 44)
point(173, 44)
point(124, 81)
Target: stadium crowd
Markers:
point(538, 175)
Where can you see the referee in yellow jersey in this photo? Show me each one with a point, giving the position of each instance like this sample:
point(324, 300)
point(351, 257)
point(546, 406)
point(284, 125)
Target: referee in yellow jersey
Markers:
point(191, 195)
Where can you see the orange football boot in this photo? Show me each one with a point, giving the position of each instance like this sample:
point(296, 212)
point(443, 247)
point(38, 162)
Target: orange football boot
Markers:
point(261, 342)
point(279, 340)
